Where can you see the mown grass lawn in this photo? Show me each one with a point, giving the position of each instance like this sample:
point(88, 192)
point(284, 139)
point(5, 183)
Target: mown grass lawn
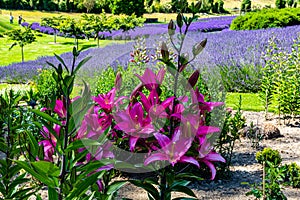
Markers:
point(250, 101)
point(44, 46)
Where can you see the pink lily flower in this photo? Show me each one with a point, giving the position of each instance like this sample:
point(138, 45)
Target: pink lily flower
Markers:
point(60, 109)
point(198, 98)
point(106, 101)
point(132, 122)
point(150, 80)
point(153, 106)
point(49, 143)
point(94, 125)
point(208, 156)
point(172, 150)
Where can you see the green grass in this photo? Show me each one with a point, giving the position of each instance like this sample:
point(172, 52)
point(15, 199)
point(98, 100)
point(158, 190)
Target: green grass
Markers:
point(5, 25)
point(250, 102)
point(44, 46)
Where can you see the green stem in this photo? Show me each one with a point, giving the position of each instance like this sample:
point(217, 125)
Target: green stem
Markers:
point(163, 185)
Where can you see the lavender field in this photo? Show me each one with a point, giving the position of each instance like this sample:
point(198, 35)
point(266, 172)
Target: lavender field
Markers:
point(226, 48)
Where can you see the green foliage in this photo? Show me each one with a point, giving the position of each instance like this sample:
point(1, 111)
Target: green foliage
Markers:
point(267, 82)
point(246, 6)
point(269, 156)
point(280, 82)
point(273, 176)
point(229, 135)
point(53, 22)
point(218, 7)
point(105, 81)
point(72, 27)
point(128, 7)
point(94, 24)
point(66, 180)
point(46, 86)
point(171, 182)
point(21, 38)
point(267, 18)
point(270, 188)
point(292, 175)
point(280, 4)
point(250, 76)
point(177, 5)
point(13, 183)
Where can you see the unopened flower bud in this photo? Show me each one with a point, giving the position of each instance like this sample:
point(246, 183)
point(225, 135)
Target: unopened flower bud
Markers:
point(194, 78)
point(164, 51)
point(171, 28)
point(118, 81)
point(199, 47)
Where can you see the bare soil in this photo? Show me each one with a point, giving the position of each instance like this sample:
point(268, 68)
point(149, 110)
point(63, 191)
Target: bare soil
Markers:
point(244, 166)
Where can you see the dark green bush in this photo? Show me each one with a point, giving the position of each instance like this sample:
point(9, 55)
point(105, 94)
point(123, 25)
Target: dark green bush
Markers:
point(267, 18)
point(46, 86)
point(246, 6)
point(268, 155)
point(292, 175)
point(280, 3)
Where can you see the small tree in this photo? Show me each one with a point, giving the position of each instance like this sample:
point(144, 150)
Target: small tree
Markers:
point(128, 7)
point(54, 23)
point(221, 6)
point(89, 5)
point(94, 24)
point(179, 5)
point(246, 6)
point(72, 28)
point(290, 3)
point(126, 23)
point(280, 4)
point(21, 38)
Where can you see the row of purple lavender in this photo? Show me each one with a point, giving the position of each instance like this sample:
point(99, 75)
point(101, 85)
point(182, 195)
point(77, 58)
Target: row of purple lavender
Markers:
point(202, 25)
point(225, 48)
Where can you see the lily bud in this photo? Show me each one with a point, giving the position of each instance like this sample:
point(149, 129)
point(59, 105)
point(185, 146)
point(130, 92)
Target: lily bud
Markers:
point(164, 52)
point(199, 47)
point(118, 81)
point(184, 59)
point(198, 5)
point(194, 78)
point(171, 28)
point(179, 20)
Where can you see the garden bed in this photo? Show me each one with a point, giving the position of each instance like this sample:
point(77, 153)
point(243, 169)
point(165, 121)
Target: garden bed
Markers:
point(245, 168)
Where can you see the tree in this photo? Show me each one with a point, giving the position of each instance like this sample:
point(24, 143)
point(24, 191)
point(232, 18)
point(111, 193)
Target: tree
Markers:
point(221, 6)
point(93, 24)
point(246, 6)
point(54, 23)
point(89, 5)
point(21, 38)
point(125, 23)
point(179, 5)
point(128, 7)
point(72, 28)
point(280, 4)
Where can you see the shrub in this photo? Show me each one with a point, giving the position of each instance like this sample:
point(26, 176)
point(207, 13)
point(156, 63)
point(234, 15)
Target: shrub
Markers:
point(246, 6)
point(269, 156)
point(292, 175)
point(229, 135)
point(281, 79)
point(267, 18)
point(280, 3)
point(128, 7)
point(46, 87)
